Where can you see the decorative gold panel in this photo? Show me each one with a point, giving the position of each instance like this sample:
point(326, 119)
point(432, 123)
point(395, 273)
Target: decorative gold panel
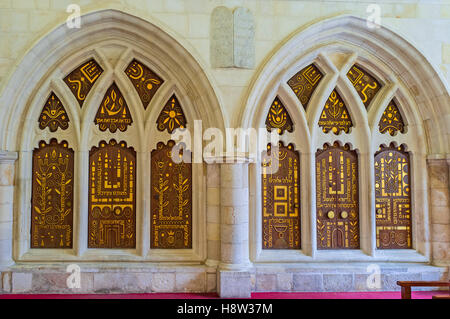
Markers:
point(113, 112)
point(171, 116)
point(305, 82)
point(278, 118)
point(52, 196)
point(144, 80)
point(281, 200)
point(393, 198)
point(53, 115)
point(171, 199)
point(81, 80)
point(337, 197)
point(335, 116)
point(365, 84)
point(112, 196)
point(391, 121)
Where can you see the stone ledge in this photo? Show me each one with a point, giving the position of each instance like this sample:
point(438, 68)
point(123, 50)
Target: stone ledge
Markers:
point(8, 157)
point(53, 279)
point(229, 284)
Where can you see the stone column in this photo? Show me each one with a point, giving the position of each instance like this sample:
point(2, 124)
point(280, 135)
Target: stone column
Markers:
point(438, 173)
point(234, 276)
point(7, 161)
point(212, 225)
point(213, 214)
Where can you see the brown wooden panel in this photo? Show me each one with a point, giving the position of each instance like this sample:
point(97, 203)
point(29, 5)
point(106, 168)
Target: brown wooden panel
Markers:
point(81, 80)
point(52, 196)
point(305, 82)
point(171, 199)
point(112, 196)
point(145, 81)
point(393, 198)
point(365, 84)
point(278, 118)
point(335, 116)
point(281, 199)
point(337, 197)
point(171, 116)
point(53, 115)
point(113, 112)
point(391, 121)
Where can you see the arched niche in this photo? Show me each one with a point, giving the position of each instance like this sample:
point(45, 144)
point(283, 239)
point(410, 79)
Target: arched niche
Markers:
point(113, 38)
point(403, 72)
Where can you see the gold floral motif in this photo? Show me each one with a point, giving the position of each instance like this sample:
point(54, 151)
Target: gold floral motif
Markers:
point(52, 195)
point(335, 116)
point(53, 115)
point(113, 112)
point(391, 121)
point(278, 118)
point(171, 116)
point(171, 199)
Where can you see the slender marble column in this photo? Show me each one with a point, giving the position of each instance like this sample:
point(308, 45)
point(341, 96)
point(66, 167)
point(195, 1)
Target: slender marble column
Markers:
point(7, 161)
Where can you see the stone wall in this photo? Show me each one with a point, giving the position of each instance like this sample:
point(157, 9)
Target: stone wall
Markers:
point(7, 173)
point(227, 267)
point(425, 24)
point(438, 171)
point(199, 279)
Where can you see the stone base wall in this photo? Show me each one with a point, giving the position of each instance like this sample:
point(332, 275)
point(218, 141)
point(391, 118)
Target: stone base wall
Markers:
point(44, 279)
point(48, 280)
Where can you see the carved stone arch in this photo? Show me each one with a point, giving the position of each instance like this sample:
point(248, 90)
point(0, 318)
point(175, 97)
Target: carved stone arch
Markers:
point(71, 47)
point(402, 68)
point(96, 27)
point(406, 62)
point(32, 136)
point(299, 140)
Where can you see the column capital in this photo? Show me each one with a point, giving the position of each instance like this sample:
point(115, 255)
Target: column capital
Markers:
point(8, 157)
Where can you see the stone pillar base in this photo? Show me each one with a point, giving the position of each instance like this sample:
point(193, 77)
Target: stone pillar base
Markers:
point(234, 284)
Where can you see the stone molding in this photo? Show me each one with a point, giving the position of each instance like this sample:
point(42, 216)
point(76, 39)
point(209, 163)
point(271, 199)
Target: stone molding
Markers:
point(8, 157)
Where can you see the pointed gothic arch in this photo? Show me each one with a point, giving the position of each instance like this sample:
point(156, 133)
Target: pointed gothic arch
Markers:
point(401, 71)
point(105, 37)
